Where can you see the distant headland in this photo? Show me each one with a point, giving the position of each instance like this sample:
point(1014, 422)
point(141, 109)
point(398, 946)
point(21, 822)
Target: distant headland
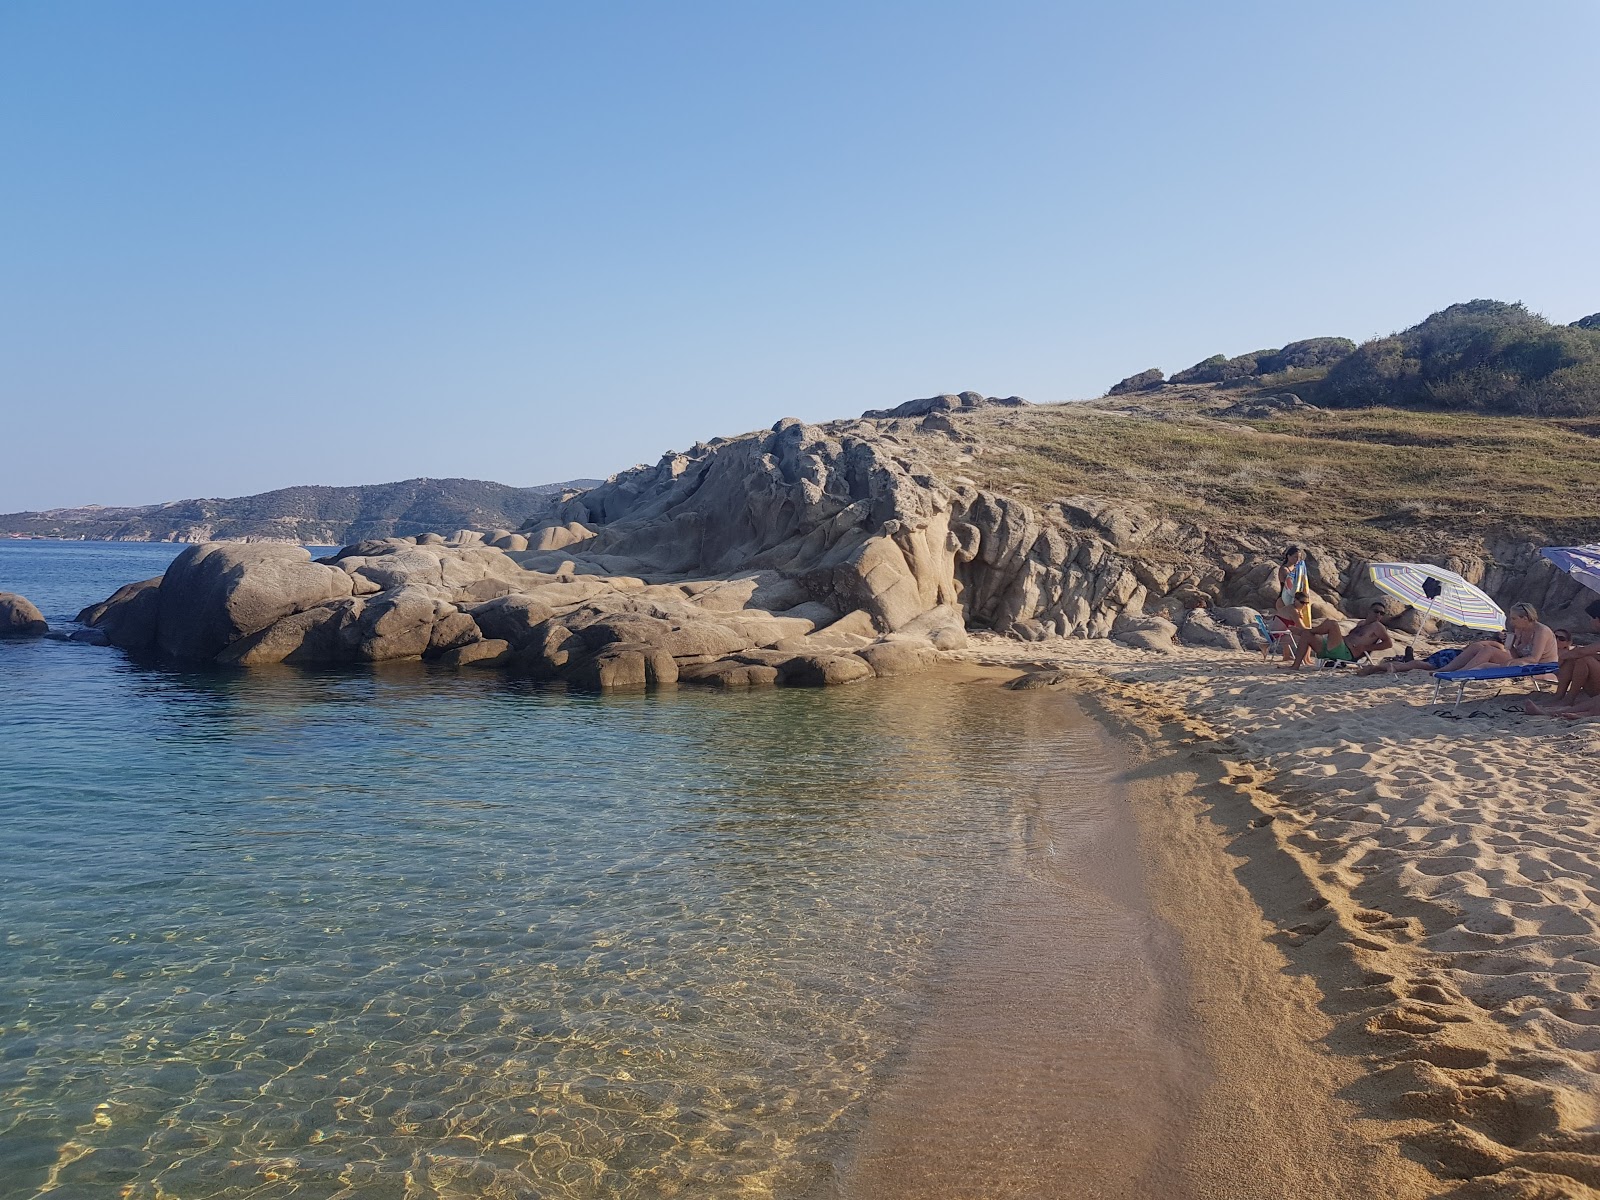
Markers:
point(313, 516)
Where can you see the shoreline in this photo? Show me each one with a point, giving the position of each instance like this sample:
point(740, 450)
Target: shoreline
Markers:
point(1174, 1051)
point(1045, 1059)
point(1428, 886)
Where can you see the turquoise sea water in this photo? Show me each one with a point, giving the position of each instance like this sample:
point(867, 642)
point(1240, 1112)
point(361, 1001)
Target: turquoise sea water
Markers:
point(409, 933)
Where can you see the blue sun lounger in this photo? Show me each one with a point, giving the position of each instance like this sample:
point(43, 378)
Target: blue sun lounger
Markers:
point(1462, 678)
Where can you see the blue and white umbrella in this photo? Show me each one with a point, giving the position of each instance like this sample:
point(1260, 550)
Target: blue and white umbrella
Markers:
point(1581, 562)
point(1439, 593)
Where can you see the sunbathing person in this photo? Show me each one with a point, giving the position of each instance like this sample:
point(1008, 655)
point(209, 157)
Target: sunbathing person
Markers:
point(1527, 642)
point(1439, 660)
point(1578, 681)
point(1331, 642)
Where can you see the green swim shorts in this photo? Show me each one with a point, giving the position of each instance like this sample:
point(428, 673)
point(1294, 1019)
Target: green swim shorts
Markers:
point(1339, 653)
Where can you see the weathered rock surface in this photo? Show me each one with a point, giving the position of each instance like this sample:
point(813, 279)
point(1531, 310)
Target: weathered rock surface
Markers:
point(19, 618)
point(801, 554)
point(899, 655)
point(823, 670)
point(486, 652)
point(1199, 629)
point(128, 616)
point(944, 403)
point(214, 594)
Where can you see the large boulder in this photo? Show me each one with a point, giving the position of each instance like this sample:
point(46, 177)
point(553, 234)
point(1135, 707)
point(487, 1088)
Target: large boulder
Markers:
point(1200, 629)
point(315, 635)
point(451, 631)
point(394, 624)
point(728, 673)
point(899, 655)
point(947, 402)
point(19, 618)
point(943, 626)
point(128, 616)
point(823, 670)
point(693, 638)
point(512, 618)
point(217, 593)
point(622, 665)
point(486, 652)
point(1238, 617)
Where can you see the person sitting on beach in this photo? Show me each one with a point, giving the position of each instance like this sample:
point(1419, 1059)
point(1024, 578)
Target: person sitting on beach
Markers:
point(1527, 641)
point(1293, 619)
point(1331, 642)
point(1578, 682)
point(1439, 660)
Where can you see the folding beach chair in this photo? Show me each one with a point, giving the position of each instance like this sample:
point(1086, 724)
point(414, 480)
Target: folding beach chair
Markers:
point(1274, 638)
point(1462, 678)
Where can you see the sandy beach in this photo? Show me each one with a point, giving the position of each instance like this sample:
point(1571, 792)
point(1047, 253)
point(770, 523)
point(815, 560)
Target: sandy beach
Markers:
point(1425, 887)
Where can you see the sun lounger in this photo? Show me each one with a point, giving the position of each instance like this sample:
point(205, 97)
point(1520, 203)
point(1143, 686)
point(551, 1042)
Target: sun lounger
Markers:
point(1462, 678)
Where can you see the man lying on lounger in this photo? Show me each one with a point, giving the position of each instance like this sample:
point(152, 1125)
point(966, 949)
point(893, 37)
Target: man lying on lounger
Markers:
point(1578, 682)
point(1331, 642)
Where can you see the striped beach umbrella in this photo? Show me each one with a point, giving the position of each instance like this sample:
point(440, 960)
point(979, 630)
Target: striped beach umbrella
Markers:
point(1439, 593)
point(1581, 562)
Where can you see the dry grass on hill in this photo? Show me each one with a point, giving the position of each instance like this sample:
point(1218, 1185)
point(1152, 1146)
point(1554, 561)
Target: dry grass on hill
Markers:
point(1376, 475)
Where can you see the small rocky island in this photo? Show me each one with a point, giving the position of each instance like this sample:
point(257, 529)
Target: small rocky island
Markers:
point(802, 554)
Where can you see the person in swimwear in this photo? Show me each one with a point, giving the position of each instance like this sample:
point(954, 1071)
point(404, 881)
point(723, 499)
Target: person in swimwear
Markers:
point(1578, 683)
point(1368, 637)
point(1293, 583)
point(1528, 641)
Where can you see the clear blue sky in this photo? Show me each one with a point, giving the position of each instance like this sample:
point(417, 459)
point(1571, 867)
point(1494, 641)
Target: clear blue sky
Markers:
point(255, 244)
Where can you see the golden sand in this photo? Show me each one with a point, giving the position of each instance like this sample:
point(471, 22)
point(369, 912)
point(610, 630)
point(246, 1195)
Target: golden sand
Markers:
point(1387, 918)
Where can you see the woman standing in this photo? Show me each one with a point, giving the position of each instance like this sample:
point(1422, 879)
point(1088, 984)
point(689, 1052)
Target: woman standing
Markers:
point(1294, 600)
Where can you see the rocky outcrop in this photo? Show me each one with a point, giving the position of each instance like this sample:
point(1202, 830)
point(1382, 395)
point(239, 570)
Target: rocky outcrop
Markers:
point(19, 618)
point(214, 594)
point(379, 601)
point(802, 554)
point(948, 402)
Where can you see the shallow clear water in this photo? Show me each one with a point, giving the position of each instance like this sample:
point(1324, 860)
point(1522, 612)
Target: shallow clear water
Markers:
point(407, 933)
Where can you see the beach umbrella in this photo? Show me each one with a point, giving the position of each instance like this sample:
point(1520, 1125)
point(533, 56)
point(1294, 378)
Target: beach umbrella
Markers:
point(1439, 593)
point(1581, 562)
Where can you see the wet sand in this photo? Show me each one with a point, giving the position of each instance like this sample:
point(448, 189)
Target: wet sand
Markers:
point(1115, 1023)
point(1048, 1056)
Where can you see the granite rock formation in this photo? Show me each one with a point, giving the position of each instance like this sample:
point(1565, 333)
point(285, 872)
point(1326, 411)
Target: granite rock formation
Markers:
point(802, 554)
point(19, 618)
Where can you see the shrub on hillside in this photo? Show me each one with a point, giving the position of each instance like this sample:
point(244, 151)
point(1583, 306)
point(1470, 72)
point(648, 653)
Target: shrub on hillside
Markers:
point(1207, 370)
point(1303, 355)
point(1144, 381)
point(1218, 369)
point(1310, 354)
point(1482, 356)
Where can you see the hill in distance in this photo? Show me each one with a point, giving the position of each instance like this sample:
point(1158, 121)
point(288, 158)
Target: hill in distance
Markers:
point(1483, 356)
point(322, 516)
